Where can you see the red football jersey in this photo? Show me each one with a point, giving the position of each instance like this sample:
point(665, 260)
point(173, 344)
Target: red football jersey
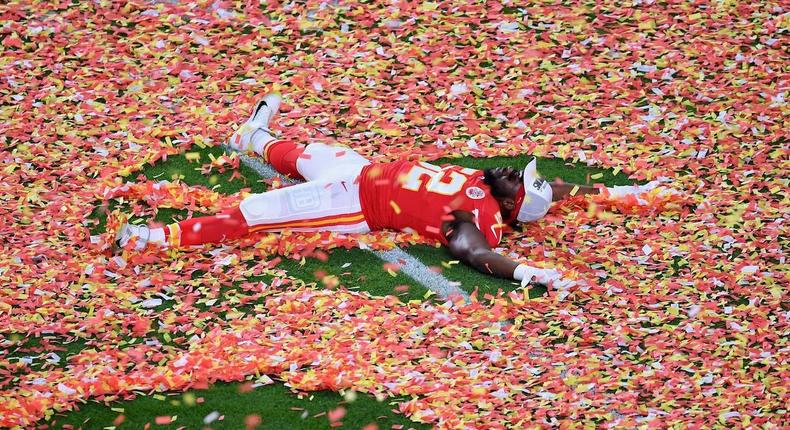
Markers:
point(408, 195)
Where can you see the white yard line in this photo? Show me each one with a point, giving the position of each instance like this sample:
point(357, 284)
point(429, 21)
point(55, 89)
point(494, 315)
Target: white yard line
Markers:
point(414, 269)
point(410, 265)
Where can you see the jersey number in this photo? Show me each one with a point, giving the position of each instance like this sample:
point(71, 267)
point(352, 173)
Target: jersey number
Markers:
point(437, 182)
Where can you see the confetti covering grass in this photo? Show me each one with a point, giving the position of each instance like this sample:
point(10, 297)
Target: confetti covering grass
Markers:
point(685, 321)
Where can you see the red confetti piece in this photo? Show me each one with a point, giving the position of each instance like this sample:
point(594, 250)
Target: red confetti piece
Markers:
point(392, 267)
point(252, 421)
point(336, 415)
point(163, 419)
point(245, 387)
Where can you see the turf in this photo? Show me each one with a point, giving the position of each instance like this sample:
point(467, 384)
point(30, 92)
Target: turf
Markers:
point(356, 269)
point(273, 405)
point(363, 266)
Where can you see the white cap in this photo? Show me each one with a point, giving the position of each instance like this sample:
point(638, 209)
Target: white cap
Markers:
point(537, 195)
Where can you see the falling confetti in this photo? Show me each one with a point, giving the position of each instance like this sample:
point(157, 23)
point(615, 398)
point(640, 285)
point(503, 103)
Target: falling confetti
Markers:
point(692, 333)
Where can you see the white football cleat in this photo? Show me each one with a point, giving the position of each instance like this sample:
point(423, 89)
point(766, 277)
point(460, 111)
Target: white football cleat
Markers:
point(265, 109)
point(255, 133)
point(141, 233)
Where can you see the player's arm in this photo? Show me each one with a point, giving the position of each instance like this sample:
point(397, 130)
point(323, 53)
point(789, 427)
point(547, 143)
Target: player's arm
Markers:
point(561, 190)
point(468, 244)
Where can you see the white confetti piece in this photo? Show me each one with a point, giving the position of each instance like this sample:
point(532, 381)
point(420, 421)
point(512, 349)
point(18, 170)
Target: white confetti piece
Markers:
point(458, 89)
point(507, 27)
point(66, 389)
point(181, 362)
point(694, 310)
point(151, 303)
point(211, 417)
point(500, 394)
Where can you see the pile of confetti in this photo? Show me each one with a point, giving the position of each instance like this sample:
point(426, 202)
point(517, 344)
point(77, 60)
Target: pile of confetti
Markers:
point(683, 320)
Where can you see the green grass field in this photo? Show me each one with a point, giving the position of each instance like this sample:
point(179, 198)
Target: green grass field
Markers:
point(275, 405)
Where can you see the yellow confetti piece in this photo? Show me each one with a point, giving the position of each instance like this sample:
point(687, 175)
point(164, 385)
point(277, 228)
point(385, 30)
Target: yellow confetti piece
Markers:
point(597, 176)
point(395, 207)
point(449, 264)
point(574, 190)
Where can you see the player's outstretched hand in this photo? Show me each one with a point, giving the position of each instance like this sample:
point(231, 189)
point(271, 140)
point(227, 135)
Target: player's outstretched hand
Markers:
point(640, 191)
point(527, 274)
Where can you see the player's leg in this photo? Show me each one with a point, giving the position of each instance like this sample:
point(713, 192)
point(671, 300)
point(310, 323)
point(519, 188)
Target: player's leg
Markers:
point(227, 225)
point(321, 161)
point(319, 205)
point(254, 134)
point(293, 159)
point(313, 161)
point(283, 156)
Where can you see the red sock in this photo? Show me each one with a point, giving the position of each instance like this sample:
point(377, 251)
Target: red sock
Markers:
point(227, 225)
point(282, 154)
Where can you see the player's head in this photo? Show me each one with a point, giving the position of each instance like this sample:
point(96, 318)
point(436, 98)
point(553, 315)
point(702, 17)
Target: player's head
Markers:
point(522, 195)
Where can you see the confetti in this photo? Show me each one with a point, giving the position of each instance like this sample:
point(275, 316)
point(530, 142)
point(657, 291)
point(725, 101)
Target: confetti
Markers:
point(252, 421)
point(336, 414)
point(163, 420)
point(687, 335)
point(211, 417)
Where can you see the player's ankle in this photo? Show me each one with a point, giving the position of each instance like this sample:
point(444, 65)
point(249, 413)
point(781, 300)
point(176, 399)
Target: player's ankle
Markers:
point(260, 139)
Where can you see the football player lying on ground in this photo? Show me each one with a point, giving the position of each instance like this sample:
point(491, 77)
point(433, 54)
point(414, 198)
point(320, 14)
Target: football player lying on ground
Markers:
point(465, 209)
